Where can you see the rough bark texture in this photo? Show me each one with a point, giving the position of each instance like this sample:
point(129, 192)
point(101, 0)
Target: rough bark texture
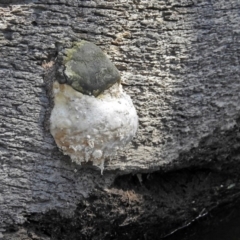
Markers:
point(179, 60)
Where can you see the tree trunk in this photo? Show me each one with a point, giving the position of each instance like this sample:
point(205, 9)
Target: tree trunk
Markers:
point(179, 61)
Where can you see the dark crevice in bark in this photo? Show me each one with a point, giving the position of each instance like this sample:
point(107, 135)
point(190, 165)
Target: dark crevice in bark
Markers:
point(149, 206)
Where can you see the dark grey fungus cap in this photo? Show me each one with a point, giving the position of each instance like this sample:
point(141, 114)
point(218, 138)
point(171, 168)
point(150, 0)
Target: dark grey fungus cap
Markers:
point(88, 70)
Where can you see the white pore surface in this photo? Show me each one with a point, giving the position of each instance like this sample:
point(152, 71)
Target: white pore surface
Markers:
point(91, 129)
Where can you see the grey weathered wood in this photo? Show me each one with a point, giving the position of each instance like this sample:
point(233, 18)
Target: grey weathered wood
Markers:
point(179, 61)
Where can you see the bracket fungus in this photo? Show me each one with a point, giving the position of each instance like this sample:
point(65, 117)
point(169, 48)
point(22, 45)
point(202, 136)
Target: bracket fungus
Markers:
point(92, 116)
